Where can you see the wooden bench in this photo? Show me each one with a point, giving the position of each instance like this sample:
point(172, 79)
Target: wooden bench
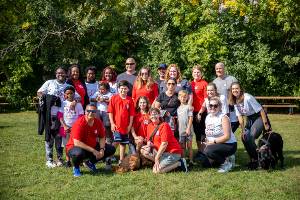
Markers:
point(279, 102)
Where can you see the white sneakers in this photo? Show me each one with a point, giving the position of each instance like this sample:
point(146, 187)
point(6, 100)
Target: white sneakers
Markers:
point(50, 164)
point(227, 165)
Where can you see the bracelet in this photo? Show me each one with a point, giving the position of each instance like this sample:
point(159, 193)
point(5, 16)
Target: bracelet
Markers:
point(215, 141)
point(102, 149)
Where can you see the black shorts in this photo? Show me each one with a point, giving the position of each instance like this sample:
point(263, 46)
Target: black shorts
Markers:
point(199, 127)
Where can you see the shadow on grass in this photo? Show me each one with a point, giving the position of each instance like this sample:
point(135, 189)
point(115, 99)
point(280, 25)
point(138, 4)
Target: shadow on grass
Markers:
point(3, 127)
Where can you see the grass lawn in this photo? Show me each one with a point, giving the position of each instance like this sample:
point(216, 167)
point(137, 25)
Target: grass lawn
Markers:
point(23, 174)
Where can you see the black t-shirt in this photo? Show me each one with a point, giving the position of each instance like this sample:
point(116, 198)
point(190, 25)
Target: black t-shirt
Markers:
point(169, 103)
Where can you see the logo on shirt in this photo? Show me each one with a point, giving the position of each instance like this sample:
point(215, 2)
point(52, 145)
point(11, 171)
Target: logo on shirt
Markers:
point(95, 132)
point(157, 133)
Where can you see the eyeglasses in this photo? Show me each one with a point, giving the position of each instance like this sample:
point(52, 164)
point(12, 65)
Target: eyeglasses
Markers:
point(91, 111)
point(170, 83)
point(67, 93)
point(213, 105)
point(130, 63)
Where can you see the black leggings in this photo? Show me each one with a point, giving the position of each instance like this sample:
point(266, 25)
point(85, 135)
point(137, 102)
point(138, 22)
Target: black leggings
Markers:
point(219, 152)
point(77, 154)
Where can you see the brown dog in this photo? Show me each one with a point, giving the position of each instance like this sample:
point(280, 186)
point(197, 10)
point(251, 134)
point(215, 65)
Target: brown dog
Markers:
point(131, 162)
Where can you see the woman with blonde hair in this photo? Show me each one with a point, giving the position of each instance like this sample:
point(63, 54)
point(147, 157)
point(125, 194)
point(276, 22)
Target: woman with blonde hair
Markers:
point(173, 71)
point(144, 86)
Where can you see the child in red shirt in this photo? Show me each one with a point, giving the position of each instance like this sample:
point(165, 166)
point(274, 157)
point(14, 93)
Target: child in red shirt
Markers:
point(141, 121)
point(121, 112)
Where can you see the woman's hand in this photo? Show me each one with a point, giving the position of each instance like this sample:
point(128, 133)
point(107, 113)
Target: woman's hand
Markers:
point(156, 166)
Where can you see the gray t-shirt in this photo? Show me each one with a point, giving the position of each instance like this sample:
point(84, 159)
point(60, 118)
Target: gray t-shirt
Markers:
point(223, 85)
point(128, 77)
point(183, 114)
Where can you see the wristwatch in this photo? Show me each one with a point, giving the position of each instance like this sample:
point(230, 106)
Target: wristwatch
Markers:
point(215, 141)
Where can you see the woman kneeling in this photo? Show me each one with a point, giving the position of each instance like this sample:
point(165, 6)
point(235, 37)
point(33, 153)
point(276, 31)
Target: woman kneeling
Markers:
point(221, 142)
point(162, 147)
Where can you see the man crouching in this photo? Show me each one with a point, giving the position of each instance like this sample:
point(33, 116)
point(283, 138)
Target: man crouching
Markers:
point(83, 143)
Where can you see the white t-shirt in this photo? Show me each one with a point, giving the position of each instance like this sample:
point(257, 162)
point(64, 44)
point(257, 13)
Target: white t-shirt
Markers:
point(223, 100)
point(113, 87)
point(91, 88)
point(70, 115)
point(249, 107)
point(214, 129)
point(53, 87)
point(102, 106)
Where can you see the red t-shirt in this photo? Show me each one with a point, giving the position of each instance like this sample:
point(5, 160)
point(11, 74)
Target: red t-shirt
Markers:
point(151, 93)
point(80, 90)
point(121, 109)
point(140, 123)
point(84, 133)
point(199, 93)
point(164, 134)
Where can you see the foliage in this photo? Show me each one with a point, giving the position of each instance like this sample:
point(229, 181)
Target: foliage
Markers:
point(257, 40)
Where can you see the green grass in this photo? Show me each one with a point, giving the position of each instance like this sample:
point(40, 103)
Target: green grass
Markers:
point(23, 174)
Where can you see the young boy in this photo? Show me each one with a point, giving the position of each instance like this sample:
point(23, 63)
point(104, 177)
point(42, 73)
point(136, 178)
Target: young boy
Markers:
point(185, 123)
point(68, 114)
point(121, 111)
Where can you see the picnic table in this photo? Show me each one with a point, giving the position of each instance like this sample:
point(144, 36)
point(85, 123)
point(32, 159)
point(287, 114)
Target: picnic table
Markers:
point(279, 102)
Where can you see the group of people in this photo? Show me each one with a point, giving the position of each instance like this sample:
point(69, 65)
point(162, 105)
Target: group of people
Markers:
point(154, 118)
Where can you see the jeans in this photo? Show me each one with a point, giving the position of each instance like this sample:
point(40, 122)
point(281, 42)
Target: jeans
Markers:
point(49, 147)
point(253, 129)
point(78, 155)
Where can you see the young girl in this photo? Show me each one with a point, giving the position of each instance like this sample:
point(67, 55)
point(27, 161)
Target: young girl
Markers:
point(211, 90)
point(102, 97)
point(185, 124)
point(140, 121)
point(68, 114)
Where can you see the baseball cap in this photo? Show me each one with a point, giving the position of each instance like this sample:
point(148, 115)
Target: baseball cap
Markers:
point(162, 66)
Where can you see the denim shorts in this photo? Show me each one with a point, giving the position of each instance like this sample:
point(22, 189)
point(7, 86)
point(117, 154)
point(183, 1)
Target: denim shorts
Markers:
point(121, 138)
point(185, 138)
point(167, 159)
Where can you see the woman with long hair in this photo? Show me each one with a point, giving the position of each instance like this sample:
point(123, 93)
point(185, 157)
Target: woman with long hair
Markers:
point(109, 75)
point(144, 86)
point(76, 80)
point(257, 120)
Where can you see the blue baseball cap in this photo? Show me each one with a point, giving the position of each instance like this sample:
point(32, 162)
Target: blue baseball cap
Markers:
point(162, 66)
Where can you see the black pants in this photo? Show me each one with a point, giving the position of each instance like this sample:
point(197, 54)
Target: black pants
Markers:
point(199, 127)
point(219, 152)
point(77, 154)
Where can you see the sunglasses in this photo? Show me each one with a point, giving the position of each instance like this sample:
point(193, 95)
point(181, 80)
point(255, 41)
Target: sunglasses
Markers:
point(170, 83)
point(213, 105)
point(130, 63)
point(91, 111)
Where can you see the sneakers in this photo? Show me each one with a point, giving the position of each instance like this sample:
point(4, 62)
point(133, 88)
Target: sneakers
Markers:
point(183, 164)
point(225, 167)
point(232, 160)
point(50, 164)
point(76, 171)
point(90, 166)
point(59, 163)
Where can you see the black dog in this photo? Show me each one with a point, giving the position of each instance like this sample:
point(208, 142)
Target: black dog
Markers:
point(269, 150)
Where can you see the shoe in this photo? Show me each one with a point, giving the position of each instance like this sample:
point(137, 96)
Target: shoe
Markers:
point(50, 164)
point(183, 165)
point(68, 164)
point(225, 167)
point(108, 166)
point(76, 171)
point(90, 166)
point(232, 160)
point(59, 163)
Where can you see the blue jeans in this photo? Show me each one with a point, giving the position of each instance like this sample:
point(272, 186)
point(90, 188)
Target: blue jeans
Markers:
point(253, 130)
